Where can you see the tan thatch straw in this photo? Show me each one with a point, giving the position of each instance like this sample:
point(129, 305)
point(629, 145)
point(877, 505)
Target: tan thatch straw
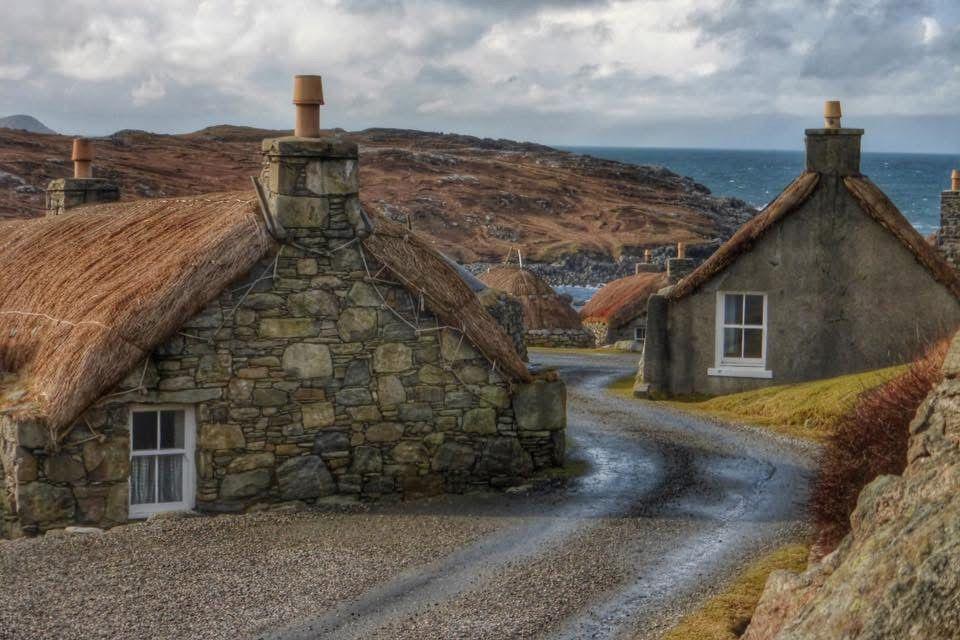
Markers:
point(620, 301)
point(543, 308)
point(421, 269)
point(85, 296)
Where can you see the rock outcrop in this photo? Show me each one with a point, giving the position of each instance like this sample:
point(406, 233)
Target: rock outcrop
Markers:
point(897, 574)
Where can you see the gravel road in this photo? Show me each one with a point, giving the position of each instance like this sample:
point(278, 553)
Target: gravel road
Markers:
point(670, 506)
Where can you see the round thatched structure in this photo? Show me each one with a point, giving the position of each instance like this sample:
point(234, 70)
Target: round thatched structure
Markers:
point(548, 317)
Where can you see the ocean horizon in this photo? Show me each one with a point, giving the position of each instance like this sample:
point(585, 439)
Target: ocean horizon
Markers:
point(913, 181)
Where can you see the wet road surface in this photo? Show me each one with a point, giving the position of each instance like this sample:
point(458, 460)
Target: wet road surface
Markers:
point(669, 506)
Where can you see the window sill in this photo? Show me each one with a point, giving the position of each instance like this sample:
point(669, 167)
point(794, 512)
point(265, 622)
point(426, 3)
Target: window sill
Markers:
point(740, 372)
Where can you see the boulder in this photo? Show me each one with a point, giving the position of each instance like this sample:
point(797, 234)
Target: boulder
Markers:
point(331, 441)
point(245, 484)
point(482, 421)
point(541, 406)
point(45, 505)
point(357, 323)
point(304, 478)
point(452, 456)
point(107, 461)
point(366, 460)
point(505, 457)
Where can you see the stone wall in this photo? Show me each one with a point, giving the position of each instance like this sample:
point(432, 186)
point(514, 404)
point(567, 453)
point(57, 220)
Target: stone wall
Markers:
point(948, 237)
point(559, 338)
point(305, 384)
point(66, 193)
point(604, 335)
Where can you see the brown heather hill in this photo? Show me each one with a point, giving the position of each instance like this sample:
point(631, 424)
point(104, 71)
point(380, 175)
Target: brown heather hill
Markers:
point(477, 198)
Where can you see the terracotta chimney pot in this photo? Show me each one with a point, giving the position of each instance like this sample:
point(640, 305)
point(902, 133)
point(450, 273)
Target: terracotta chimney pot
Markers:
point(82, 157)
point(307, 96)
point(955, 180)
point(831, 114)
point(647, 256)
point(681, 250)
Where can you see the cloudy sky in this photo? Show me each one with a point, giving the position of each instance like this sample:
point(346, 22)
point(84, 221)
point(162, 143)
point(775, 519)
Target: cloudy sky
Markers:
point(698, 73)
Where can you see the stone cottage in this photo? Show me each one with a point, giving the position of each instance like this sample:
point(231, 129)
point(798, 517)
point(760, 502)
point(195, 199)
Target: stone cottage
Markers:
point(230, 350)
point(617, 313)
point(948, 236)
point(549, 320)
point(829, 279)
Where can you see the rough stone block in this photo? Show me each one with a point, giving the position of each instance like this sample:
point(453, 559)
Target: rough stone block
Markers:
point(270, 397)
point(217, 437)
point(357, 323)
point(308, 360)
point(415, 412)
point(63, 467)
point(384, 432)
point(318, 415)
point(392, 357)
point(505, 456)
point(482, 420)
point(331, 441)
point(289, 328)
point(298, 212)
point(541, 405)
point(390, 391)
point(304, 478)
point(45, 504)
point(454, 457)
point(366, 460)
point(244, 485)
point(354, 397)
point(314, 302)
point(362, 294)
point(251, 461)
point(107, 461)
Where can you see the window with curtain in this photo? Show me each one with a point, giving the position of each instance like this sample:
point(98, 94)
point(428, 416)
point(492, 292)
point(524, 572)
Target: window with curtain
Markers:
point(161, 460)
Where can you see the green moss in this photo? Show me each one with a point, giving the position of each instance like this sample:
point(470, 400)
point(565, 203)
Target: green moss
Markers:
point(806, 410)
point(726, 615)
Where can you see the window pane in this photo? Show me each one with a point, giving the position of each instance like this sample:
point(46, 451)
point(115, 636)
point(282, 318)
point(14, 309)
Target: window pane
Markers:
point(144, 430)
point(753, 343)
point(142, 469)
point(171, 429)
point(732, 343)
point(732, 308)
point(170, 469)
point(754, 310)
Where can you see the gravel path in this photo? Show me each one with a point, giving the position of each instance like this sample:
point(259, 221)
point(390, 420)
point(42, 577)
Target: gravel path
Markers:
point(671, 504)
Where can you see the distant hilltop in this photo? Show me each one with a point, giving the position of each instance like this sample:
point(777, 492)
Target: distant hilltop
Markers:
point(25, 123)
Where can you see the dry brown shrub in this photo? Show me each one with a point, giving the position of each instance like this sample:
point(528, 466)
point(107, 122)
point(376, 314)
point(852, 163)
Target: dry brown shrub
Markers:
point(871, 440)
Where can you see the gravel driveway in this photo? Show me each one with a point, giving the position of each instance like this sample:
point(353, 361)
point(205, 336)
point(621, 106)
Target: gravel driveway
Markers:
point(670, 505)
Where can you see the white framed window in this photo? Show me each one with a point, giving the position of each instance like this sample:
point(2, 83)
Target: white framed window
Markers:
point(640, 333)
point(741, 335)
point(162, 467)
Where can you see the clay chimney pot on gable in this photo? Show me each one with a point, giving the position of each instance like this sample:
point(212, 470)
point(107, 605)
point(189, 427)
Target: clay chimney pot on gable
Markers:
point(955, 180)
point(831, 114)
point(307, 96)
point(82, 157)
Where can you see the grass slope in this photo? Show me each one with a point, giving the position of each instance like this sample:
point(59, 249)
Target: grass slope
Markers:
point(726, 615)
point(808, 410)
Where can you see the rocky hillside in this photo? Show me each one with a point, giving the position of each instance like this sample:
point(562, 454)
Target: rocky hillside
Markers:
point(896, 574)
point(478, 198)
point(24, 123)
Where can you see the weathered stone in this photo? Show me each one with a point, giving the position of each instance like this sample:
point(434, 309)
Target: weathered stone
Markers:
point(390, 391)
point(187, 396)
point(318, 415)
point(214, 368)
point(177, 383)
point(107, 461)
point(422, 486)
point(263, 301)
point(314, 302)
point(376, 485)
point(481, 420)
point(117, 504)
point(459, 399)
point(409, 452)
point(63, 467)
point(26, 465)
point(357, 374)
point(289, 328)
point(392, 357)
point(472, 374)
point(354, 396)
point(366, 460)
point(541, 406)
point(432, 374)
point(31, 434)
point(304, 478)
point(244, 485)
point(384, 432)
point(454, 347)
point(307, 360)
point(357, 323)
point(455, 457)
point(505, 456)
point(240, 390)
point(415, 412)
point(251, 461)
point(270, 397)
point(221, 437)
point(307, 267)
point(45, 504)
point(497, 396)
point(362, 294)
point(329, 441)
point(368, 413)
point(300, 212)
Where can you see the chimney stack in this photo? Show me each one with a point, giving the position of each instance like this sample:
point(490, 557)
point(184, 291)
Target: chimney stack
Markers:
point(82, 188)
point(647, 266)
point(833, 149)
point(679, 267)
point(948, 237)
point(307, 96)
point(82, 158)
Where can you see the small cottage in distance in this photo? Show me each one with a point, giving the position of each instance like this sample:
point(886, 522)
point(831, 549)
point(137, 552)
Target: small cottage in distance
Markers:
point(829, 279)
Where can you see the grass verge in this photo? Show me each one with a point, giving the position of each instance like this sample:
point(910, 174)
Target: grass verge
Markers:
point(810, 410)
point(726, 615)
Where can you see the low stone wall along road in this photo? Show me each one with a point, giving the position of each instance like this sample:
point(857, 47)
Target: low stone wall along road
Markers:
point(669, 506)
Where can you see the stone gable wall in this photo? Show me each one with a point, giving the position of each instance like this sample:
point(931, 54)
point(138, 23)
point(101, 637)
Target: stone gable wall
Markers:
point(307, 385)
point(948, 237)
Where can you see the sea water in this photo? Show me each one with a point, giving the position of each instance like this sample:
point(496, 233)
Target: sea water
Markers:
point(912, 180)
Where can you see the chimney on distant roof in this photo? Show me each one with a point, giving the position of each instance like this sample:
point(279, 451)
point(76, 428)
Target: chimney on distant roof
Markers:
point(648, 265)
point(307, 96)
point(679, 267)
point(948, 237)
point(833, 149)
point(82, 188)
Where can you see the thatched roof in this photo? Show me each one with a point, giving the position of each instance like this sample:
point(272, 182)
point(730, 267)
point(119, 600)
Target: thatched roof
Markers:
point(543, 308)
point(86, 296)
point(620, 301)
point(871, 199)
point(423, 270)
